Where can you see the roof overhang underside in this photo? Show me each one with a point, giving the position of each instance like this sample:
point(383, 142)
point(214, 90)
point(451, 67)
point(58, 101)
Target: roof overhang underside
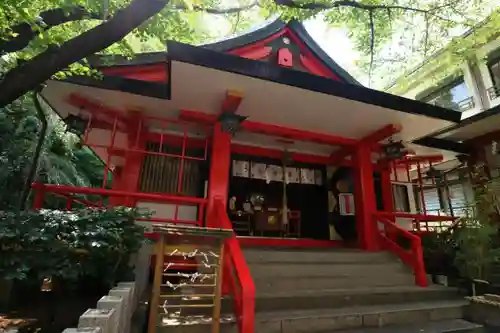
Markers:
point(200, 78)
point(473, 127)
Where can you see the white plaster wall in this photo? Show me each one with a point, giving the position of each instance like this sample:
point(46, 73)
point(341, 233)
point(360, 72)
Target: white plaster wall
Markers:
point(97, 136)
point(167, 211)
point(400, 176)
point(403, 222)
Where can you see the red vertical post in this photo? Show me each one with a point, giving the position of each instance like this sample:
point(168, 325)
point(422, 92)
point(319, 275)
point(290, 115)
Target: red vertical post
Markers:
point(116, 184)
point(69, 203)
point(39, 198)
point(364, 196)
point(131, 171)
point(218, 180)
point(423, 208)
point(387, 197)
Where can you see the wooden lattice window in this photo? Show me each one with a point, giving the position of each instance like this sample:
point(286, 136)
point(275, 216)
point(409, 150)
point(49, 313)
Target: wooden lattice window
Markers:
point(162, 174)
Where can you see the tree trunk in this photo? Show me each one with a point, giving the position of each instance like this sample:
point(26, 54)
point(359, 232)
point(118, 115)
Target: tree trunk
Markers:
point(36, 71)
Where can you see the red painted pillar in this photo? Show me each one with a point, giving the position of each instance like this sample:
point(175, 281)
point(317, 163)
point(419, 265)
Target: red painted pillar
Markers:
point(364, 196)
point(218, 180)
point(387, 198)
point(387, 195)
point(131, 172)
point(116, 184)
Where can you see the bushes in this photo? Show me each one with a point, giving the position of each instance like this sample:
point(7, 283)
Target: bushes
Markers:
point(472, 247)
point(439, 251)
point(67, 246)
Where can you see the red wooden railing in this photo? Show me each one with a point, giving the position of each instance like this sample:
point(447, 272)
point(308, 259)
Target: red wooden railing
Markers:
point(236, 276)
point(422, 223)
point(413, 257)
point(69, 193)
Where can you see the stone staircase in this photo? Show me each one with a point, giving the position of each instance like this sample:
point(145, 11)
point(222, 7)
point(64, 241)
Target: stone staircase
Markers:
point(343, 291)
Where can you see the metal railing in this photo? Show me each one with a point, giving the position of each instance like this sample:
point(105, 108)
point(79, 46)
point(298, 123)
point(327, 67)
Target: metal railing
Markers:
point(460, 106)
point(493, 92)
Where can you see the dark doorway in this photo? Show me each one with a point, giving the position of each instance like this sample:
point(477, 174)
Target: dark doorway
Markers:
point(311, 200)
point(345, 225)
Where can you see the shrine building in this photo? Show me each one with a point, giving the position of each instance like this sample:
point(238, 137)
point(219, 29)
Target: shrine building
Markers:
point(265, 135)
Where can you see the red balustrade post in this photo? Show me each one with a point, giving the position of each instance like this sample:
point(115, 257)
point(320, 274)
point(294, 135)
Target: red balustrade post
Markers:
point(39, 196)
point(364, 196)
point(419, 268)
point(387, 198)
point(69, 203)
point(131, 172)
point(218, 180)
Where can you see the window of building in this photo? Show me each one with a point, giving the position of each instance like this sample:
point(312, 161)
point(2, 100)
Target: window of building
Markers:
point(454, 96)
point(432, 200)
point(458, 199)
point(401, 198)
point(494, 69)
point(172, 174)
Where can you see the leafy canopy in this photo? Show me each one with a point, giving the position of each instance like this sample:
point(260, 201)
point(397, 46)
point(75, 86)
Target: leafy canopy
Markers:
point(62, 160)
point(383, 31)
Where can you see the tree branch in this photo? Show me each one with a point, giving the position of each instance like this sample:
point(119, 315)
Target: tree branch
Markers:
point(219, 11)
point(53, 17)
point(372, 46)
point(27, 76)
point(25, 32)
point(40, 68)
point(363, 6)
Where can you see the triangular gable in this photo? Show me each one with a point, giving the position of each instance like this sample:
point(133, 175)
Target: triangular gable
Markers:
point(287, 45)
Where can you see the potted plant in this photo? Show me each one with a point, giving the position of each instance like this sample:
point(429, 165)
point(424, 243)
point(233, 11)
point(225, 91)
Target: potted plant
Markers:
point(439, 250)
point(477, 254)
point(478, 238)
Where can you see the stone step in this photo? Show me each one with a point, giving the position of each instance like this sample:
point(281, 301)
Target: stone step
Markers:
point(327, 320)
point(311, 256)
point(290, 284)
point(396, 318)
point(336, 298)
point(325, 270)
point(442, 326)
point(196, 324)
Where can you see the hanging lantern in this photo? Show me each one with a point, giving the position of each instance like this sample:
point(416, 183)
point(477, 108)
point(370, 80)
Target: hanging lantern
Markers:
point(76, 124)
point(46, 284)
point(394, 150)
point(230, 122)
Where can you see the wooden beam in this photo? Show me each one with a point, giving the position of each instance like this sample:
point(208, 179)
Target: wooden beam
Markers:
point(232, 101)
point(381, 134)
point(371, 139)
point(272, 130)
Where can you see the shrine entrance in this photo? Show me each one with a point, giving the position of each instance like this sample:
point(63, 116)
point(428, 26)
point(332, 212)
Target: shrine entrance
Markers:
point(261, 189)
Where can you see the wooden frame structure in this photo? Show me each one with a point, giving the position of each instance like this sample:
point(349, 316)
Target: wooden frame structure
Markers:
point(200, 237)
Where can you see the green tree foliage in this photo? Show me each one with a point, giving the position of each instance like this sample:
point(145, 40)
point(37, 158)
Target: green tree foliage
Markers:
point(43, 37)
point(61, 162)
point(93, 243)
point(478, 256)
